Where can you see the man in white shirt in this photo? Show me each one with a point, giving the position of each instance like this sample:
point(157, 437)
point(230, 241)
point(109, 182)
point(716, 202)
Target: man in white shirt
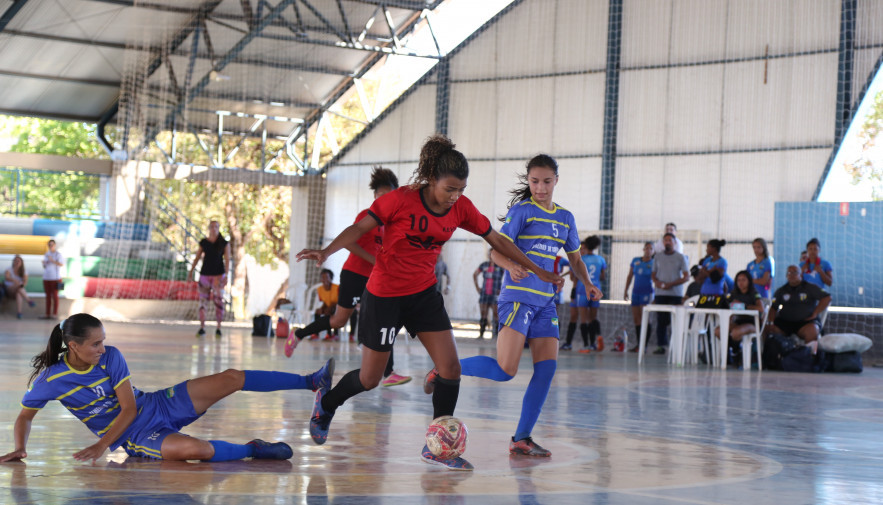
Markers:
point(678, 245)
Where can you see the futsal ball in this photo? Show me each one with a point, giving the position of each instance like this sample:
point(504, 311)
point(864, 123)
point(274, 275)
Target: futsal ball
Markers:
point(446, 437)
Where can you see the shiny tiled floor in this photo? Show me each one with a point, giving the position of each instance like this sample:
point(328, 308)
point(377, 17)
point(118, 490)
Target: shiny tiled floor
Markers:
point(620, 434)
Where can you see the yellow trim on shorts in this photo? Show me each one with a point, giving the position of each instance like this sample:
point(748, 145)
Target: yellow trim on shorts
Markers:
point(141, 448)
point(512, 314)
point(519, 288)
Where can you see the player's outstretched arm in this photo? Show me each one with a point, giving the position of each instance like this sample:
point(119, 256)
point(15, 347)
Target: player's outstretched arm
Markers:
point(511, 251)
point(21, 431)
point(128, 411)
point(347, 237)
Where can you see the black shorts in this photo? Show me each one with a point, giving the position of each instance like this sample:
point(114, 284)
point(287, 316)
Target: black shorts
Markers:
point(792, 327)
point(352, 285)
point(381, 318)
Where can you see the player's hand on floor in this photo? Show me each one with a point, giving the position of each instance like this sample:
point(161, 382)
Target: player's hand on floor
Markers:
point(92, 452)
point(14, 456)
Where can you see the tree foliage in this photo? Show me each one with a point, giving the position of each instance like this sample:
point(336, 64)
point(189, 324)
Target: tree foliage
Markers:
point(868, 166)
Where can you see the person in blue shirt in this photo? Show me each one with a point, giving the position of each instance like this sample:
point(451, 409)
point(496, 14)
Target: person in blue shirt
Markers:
point(641, 270)
point(816, 270)
point(92, 381)
point(762, 269)
point(713, 269)
point(540, 228)
point(589, 326)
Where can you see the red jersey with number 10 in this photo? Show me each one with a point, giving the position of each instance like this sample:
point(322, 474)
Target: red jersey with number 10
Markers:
point(370, 242)
point(413, 237)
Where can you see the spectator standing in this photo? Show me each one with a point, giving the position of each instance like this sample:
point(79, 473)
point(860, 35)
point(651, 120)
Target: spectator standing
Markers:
point(713, 269)
point(670, 228)
point(52, 263)
point(763, 268)
point(488, 291)
point(815, 269)
point(802, 304)
point(16, 282)
point(214, 251)
point(670, 272)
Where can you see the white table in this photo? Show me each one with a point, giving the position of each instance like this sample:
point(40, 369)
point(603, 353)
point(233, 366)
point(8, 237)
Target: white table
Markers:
point(723, 316)
point(677, 328)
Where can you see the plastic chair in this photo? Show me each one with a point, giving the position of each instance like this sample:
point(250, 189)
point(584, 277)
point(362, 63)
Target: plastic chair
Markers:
point(756, 337)
point(698, 330)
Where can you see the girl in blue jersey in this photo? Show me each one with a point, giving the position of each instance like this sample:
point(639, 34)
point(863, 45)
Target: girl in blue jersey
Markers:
point(713, 269)
point(92, 381)
point(596, 265)
point(762, 269)
point(539, 228)
point(816, 270)
point(641, 270)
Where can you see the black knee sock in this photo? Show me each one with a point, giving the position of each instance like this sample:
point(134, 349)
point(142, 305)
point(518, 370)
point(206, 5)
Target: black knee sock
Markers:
point(348, 387)
point(638, 332)
point(444, 398)
point(321, 324)
point(481, 326)
point(389, 365)
point(594, 330)
point(584, 331)
point(571, 329)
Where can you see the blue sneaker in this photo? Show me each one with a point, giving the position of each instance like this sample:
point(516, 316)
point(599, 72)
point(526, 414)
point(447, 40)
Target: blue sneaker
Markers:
point(267, 450)
point(320, 421)
point(457, 464)
point(321, 379)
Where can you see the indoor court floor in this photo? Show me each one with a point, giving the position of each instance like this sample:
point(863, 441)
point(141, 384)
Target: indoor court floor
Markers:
point(619, 433)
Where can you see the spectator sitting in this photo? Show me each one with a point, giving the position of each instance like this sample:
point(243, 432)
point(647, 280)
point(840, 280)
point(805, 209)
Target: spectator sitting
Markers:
point(694, 287)
point(802, 303)
point(670, 228)
point(327, 294)
point(15, 282)
point(744, 296)
point(816, 270)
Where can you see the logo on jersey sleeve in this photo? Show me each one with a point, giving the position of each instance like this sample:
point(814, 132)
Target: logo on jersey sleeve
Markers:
point(428, 244)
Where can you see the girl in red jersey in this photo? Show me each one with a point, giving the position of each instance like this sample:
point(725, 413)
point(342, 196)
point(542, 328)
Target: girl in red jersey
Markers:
point(418, 219)
point(357, 268)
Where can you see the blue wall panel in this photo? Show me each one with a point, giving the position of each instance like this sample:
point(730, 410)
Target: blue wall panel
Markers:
point(850, 240)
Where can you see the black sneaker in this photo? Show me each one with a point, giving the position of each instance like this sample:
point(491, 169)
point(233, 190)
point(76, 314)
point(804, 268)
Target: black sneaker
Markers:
point(274, 450)
point(659, 350)
point(200, 333)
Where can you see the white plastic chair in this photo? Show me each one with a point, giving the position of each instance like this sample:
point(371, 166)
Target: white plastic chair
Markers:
point(756, 337)
point(699, 329)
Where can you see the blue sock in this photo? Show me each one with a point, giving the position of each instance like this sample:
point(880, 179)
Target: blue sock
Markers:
point(535, 397)
point(258, 380)
point(484, 367)
point(225, 451)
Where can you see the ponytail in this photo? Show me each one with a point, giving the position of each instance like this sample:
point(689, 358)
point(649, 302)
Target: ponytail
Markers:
point(75, 329)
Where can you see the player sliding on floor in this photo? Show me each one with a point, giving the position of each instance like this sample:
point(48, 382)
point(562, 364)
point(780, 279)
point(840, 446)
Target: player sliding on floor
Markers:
point(539, 227)
point(92, 381)
point(417, 220)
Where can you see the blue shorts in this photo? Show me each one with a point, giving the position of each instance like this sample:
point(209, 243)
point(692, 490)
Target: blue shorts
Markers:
point(531, 321)
point(583, 301)
point(162, 413)
point(641, 297)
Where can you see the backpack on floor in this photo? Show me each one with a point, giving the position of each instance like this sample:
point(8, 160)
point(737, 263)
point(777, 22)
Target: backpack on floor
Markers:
point(776, 347)
point(262, 326)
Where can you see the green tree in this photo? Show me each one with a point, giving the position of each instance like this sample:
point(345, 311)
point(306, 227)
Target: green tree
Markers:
point(50, 194)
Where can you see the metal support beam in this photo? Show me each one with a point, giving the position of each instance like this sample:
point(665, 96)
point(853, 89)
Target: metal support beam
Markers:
point(10, 13)
point(195, 91)
point(611, 115)
point(442, 96)
point(845, 112)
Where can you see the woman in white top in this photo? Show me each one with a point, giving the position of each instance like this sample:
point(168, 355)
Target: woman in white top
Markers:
point(52, 263)
point(16, 280)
